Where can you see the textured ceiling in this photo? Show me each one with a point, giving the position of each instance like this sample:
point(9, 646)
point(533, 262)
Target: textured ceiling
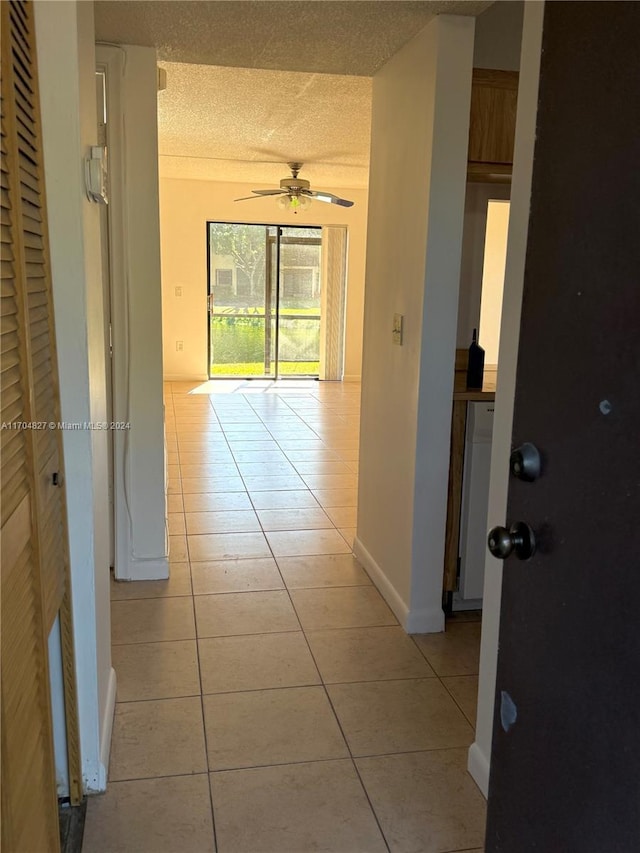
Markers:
point(245, 124)
point(253, 85)
point(325, 36)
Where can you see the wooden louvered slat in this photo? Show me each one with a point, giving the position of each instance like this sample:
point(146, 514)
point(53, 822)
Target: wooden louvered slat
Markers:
point(31, 213)
point(33, 241)
point(9, 337)
point(46, 442)
point(32, 220)
point(12, 408)
point(19, 20)
point(29, 168)
point(23, 90)
point(14, 484)
point(33, 255)
point(8, 322)
point(26, 136)
point(36, 276)
point(22, 83)
point(29, 173)
point(21, 33)
point(29, 194)
point(20, 48)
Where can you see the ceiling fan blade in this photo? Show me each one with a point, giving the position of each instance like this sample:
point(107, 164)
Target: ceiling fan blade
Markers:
point(330, 198)
point(260, 194)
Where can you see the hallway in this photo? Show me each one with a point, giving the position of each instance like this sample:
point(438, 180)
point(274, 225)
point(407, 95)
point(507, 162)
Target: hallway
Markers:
point(268, 701)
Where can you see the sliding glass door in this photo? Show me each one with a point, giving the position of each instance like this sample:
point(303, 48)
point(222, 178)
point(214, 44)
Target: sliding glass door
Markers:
point(237, 299)
point(298, 314)
point(263, 300)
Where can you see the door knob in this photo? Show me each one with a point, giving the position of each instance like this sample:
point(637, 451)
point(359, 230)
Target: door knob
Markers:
point(519, 539)
point(525, 463)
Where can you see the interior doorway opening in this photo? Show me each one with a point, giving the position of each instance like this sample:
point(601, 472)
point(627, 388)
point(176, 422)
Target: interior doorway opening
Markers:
point(263, 300)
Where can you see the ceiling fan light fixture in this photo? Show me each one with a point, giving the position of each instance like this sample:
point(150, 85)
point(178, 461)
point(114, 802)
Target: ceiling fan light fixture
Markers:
point(294, 203)
point(296, 194)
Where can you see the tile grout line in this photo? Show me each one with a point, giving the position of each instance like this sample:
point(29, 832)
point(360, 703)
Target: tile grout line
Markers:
point(342, 732)
point(202, 712)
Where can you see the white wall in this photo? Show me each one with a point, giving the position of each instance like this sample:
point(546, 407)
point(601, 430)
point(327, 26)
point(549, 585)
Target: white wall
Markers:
point(495, 256)
point(66, 60)
point(480, 751)
point(136, 312)
point(421, 101)
point(498, 35)
point(185, 207)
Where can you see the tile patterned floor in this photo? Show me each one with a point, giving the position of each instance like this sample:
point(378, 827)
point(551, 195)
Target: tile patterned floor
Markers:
point(268, 701)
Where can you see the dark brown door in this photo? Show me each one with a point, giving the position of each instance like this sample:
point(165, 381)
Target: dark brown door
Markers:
point(565, 773)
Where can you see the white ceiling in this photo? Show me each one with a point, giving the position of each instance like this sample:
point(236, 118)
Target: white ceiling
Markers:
point(326, 36)
point(242, 124)
point(253, 84)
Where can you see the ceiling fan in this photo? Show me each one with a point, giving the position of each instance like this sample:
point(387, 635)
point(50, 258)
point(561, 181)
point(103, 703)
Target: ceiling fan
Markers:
point(296, 193)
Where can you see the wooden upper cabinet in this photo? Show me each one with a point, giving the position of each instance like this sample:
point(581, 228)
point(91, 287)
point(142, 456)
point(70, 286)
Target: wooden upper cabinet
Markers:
point(492, 126)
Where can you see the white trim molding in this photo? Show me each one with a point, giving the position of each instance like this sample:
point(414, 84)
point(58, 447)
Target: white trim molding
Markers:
point(381, 581)
point(478, 767)
point(480, 751)
point(105, 735)
point(425, 621)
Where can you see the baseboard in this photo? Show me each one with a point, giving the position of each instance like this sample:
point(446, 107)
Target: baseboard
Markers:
point(145, 570)
point(189, 377)
point(382, 582)
point(105, 734)
point(425, 621)
point(478, 767)
point(184, 377)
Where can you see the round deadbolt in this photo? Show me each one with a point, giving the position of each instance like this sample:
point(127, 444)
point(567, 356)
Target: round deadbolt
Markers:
point(525, 462)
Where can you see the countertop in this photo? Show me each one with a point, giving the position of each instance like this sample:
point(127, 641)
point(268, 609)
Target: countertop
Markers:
point(487, 393)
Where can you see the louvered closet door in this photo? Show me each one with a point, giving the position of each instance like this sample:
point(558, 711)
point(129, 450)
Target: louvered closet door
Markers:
point(35, 576)
point(38, 312)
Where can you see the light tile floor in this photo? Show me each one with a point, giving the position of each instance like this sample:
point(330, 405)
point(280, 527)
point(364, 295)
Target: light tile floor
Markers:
point(268, 701)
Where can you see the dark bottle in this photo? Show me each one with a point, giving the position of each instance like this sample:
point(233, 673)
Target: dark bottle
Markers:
point(475, 368)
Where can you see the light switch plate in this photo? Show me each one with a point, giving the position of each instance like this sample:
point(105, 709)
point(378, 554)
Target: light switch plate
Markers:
point(396, 332)
point(178, 290)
